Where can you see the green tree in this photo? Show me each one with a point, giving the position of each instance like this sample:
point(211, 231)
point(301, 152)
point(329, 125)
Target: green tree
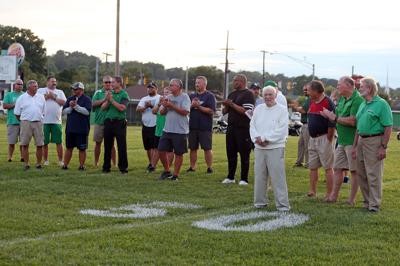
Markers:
point(35, 53)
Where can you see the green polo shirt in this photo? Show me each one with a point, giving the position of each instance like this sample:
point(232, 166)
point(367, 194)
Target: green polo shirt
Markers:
point(112, 112)
point(345, 108)
point(11, 98)
point(374, 116)
point(99, 114)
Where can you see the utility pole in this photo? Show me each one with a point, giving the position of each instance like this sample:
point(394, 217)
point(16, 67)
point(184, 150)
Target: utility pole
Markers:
point(263, 79)
point(97, 74)
point(187, 79)
point(107, 55)
point(117, 43)
point(226, 74)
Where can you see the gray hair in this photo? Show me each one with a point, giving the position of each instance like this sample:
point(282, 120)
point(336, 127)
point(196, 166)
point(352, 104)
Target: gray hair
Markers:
point(370, 83)
point(269, 87)
point(178, 82)
point(202, 78)
point(30, 82)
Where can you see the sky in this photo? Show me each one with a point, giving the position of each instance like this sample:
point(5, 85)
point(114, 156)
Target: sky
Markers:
point(335, 36)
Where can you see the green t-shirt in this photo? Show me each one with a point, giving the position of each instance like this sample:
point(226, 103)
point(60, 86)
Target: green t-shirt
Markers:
point(11, 98)
point(160, 123)
point(121, 97)
point(306, 106)
point(345, 108)
point(374, 116)
point(99, 114)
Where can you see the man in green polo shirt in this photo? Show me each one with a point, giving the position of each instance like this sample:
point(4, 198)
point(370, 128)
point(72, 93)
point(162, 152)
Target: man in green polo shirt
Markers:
point(115, 126)
point(12, 122)
point(99, 115)
point(345, 118)
point(374, 126)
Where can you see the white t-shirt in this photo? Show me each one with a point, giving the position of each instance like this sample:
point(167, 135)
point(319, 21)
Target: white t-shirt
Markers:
point(53, 110)
point(148, 118)
point(281, 99)
point(30, 108)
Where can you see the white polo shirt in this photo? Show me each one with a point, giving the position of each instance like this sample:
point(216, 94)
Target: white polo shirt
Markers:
point(53, 111)
point(30, 108)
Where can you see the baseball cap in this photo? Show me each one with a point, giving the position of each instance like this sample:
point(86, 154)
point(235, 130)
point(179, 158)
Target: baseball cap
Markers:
point(255, 86)
point(78, 85)
point(270, 83)
point(151, 84)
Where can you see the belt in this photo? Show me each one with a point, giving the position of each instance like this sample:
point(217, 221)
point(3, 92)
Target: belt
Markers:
point(318, 135)
point(372, 135)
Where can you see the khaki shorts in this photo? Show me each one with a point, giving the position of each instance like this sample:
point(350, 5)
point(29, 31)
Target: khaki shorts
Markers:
point(98, 133)
point(13, 133)
point(29, 129)
point(320, 152)
point(343, 158)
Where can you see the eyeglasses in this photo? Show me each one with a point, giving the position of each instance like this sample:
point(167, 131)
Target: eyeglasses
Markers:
point(106, 82)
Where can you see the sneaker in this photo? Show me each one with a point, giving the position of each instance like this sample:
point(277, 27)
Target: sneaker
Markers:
point(106, 171)
point(9, 160)
point(298, 165)
point(124, 171)
point(228, 181)
point(26, 167)
point(190, 170)
point(46, 163)
point(165, 175)
point(38, 166)
point(60, 163)
point(22, 160)
point(346, 179)
point(151, 169)
point(209, 170)
point(149, 166)
point(174, 178)
point(64, 167)
point(81, 168)
point(243, 183)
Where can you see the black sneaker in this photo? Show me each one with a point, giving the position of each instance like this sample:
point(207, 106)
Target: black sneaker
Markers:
point(165, 175)
point(106, 171)
point(39, 166)
point(149, 166)
point(209, 170)
point(345, 179)
point(174, 178)
point(9, 160)
point(81, 168)
point(26, 167)
point(190, 170)
point(151, 169)
point(22, 160)
point(64, 167)
point(124, 171)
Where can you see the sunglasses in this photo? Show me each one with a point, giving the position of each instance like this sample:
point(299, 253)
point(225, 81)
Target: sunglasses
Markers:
point(106, 82)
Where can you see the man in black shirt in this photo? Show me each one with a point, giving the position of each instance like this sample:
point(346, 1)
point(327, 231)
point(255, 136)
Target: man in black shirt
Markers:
point(238, 136)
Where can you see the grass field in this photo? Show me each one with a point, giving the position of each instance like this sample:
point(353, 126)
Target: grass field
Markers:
point(41, 221)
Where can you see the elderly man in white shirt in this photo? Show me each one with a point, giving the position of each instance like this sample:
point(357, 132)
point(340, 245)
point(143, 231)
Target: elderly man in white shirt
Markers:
point(268, 131)
point(29, 109)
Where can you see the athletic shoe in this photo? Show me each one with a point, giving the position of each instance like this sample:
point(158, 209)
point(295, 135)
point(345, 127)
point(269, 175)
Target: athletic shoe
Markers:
point(190, 169)
point(298, 165)
point(60, 163)
point(26, 167)
point(81, 168)
point(38, 166)
point(165, 175)
point(64, 167)
point(9, 160)
point(174, 178)
point(228, 181)
point(22, 160)
point(151, 169)
point(124, 171)
point(106, 171)
point(149, 166)
point(243, 183)
point(210, 170)
point(346, 179)
point(46, 163)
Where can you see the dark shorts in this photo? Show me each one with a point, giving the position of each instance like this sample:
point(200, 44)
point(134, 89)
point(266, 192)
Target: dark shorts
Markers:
point(156, 141)
point(80, 141)
point(148, 138)
point(173, 142)
point(204, 138)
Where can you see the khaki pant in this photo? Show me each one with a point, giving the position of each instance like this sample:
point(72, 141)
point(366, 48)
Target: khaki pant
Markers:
point(270, 163)
point(370, 171)
point(302, 146)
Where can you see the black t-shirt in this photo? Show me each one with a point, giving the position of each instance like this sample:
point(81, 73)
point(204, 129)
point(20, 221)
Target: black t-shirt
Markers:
point(199, 120)
point(245, 99)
